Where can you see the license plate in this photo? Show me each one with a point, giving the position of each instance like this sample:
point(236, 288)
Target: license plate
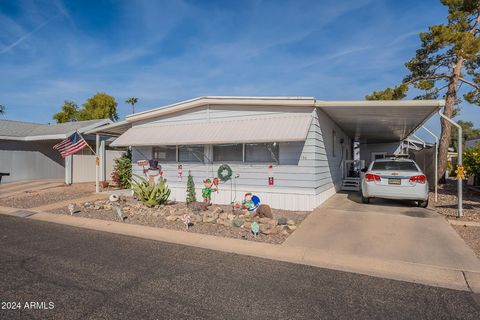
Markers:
point(394, 181)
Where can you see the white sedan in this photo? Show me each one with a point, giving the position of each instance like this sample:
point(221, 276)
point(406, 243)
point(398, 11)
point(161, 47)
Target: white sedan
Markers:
point(399, 179)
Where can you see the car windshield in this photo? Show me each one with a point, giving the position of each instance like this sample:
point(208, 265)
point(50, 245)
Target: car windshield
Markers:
point(394, 166)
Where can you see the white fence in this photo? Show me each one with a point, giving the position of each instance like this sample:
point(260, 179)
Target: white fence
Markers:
point(84, 166)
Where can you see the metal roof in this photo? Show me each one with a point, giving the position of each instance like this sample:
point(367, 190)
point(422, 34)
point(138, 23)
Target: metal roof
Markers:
point(29, 131)
point(380, 121)
point(251, 130)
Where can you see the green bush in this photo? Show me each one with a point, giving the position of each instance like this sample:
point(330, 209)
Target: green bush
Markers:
point(122, 170)
point(471, 161)
point(151, 194)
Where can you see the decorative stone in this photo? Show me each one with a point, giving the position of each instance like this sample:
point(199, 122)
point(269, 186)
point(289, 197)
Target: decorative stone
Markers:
point(223, 215)
point(238, 223)
point(247, 225)
point(107, 206)
point(114, 197)
point(198, 206)
point(126, 209)
point(265, 220)
point(264, 211)
point(217, 210)
point(230, 216)
point(291, 228)
point(282, 221)
point(291, 222)
point(172, 218)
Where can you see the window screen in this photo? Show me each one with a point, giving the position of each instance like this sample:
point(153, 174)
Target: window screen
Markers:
point(191, 153)
point(166, 153)
point(394, 165)
point(228, 152)
point(261, 152)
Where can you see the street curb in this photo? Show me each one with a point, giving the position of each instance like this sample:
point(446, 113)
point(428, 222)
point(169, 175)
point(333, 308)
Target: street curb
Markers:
point(466, 280)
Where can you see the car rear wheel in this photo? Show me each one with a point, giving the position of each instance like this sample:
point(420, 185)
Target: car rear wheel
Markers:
point(365, 200)
point(422, 204)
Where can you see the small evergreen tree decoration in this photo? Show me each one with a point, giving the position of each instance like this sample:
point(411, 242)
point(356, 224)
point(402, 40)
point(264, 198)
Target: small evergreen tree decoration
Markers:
point(191, 197)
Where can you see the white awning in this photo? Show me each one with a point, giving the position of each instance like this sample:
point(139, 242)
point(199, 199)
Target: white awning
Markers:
point(244, 130)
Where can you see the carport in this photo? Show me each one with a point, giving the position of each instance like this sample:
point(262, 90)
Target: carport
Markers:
point(373, 122)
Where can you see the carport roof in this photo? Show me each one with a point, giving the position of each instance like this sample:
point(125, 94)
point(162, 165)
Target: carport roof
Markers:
point(380, 121)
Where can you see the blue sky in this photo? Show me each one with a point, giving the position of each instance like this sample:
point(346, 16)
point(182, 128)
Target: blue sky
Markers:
point(166, 51)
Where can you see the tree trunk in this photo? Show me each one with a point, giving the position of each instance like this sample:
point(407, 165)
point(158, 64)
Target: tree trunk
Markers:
point(445, 136)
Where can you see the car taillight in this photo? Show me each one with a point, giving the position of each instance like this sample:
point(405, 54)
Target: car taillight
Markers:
point(419, 179)
point(372, 177)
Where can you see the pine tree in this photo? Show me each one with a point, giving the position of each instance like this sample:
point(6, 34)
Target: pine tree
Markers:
point(447, 59)
point(191, 197)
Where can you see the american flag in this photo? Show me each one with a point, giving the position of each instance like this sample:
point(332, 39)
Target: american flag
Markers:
point(71, 145)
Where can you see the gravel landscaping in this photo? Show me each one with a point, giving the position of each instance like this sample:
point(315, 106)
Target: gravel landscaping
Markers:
point(217, 220)
point(447, 202)
point(36, 198)
point(471, 235)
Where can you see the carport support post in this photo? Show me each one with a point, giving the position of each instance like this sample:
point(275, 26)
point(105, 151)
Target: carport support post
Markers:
point(436, 161)
point(97, 173)
point(460, 162)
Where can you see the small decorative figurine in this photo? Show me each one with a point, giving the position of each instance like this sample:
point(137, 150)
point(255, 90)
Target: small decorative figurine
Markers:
point(207, 191)
point(187, 221)
point(250, 202)
point(255, 228)
point(71, 208)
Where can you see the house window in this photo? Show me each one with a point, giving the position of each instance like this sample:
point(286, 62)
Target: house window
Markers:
point(334, 138)
point(261, 152)
point(194, 153)
point(228, 152)
point(165, 153)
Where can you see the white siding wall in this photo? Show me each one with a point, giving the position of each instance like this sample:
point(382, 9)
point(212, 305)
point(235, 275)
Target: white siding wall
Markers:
point(306, 175)
point(30, 161)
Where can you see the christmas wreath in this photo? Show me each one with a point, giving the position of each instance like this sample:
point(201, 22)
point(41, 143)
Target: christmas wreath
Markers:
point(224, 172)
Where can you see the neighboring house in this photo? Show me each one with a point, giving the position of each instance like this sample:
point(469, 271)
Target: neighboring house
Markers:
point(472, 142)
point(300, 142)
point(26, 151)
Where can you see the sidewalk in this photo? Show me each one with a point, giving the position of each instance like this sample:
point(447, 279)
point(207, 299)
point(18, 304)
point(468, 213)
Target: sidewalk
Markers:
point(468, 280)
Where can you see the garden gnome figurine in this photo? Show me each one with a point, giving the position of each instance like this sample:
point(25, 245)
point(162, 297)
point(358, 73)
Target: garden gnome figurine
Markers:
point(153, 172)
point(207, 191)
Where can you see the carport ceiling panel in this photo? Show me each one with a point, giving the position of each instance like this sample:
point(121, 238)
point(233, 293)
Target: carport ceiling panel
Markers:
point(374, 124)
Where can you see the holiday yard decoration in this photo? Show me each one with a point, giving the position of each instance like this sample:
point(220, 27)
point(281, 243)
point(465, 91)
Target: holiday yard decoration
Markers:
point(207, 191)
point(191, 196)
point(154, 173)
point(250, 202)
point(224, 172)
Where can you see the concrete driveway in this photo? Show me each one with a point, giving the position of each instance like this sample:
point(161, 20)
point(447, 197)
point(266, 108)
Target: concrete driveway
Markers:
point(390, 230)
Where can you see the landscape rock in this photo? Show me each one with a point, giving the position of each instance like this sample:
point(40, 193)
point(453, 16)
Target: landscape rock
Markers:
point(230, 216)
point(264, 211)
point(282, 221)
point(265, 220)
point(172, 218)
point(291, 222)
point(238, 223)
point(198, 206)
point(247, 225)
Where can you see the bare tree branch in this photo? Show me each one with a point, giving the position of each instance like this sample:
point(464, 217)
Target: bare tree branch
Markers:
point(476, 86)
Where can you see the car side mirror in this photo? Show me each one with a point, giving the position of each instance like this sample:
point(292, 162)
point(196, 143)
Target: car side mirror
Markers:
point(364, 170)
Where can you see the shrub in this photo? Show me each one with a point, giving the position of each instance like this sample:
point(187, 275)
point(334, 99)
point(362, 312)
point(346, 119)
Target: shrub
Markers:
point(122, 170)
point(151, 194)
point(471, 161)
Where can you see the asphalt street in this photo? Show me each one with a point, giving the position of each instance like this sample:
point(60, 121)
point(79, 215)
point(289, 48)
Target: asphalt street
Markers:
point(50, 271)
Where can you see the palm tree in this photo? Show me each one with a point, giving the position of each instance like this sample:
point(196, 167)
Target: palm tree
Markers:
point(2, 111)
point(132, 101)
